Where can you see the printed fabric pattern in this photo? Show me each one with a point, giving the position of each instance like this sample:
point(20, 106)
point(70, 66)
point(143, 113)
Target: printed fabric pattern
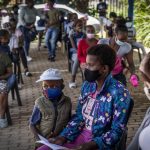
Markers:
point(109, 117)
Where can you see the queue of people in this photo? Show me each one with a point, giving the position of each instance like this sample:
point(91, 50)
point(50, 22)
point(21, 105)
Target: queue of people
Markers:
point(104, 104)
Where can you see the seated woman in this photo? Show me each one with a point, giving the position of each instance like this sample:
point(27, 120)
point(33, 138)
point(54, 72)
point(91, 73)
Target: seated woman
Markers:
point(72, 18)
point(124, 52)
point(103, 106)
point(142, 136)
point(52, 110)
point(84, 44)
point(7, 80)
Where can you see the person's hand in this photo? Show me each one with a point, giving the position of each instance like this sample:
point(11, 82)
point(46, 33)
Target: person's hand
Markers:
point(58, 140)
point(51, 135)
point(83, 66)
point(134, 80)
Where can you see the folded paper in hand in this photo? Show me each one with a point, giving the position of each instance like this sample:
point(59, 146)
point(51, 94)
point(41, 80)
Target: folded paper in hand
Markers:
point(50, 145)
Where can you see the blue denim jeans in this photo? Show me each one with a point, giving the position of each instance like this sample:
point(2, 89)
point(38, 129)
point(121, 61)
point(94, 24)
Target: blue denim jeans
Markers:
point(25, 32)
point(11, 82)
point(51, 39)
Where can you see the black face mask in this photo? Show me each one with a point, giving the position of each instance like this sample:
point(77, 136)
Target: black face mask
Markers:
point(91, 76)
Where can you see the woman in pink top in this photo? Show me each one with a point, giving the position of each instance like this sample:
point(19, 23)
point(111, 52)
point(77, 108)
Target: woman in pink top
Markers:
point(86, 43)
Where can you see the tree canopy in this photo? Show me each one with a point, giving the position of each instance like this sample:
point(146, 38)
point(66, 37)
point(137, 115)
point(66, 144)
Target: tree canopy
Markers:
point(142, 21)
point(3, 3)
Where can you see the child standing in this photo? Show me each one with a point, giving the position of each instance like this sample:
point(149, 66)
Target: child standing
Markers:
point(74, 40)
point(16, 44)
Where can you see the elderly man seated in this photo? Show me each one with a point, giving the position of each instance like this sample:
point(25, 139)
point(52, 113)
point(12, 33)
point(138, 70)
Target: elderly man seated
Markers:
point(7, 80)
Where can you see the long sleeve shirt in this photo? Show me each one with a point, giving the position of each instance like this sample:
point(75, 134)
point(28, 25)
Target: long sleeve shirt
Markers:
point(108, 116)
point(27, 15)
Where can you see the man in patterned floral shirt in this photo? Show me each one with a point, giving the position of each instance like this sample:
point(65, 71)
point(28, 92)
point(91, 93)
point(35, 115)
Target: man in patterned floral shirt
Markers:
point(103, 106)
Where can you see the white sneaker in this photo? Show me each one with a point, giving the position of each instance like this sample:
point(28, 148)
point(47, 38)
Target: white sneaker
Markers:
point(19, 86)
point(29, 58)
point(72, 85)
point(59, 44)
point(3, 123)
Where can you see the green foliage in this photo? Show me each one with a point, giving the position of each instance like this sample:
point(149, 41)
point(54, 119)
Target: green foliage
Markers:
point(3, 3)
point(93, 12)
point(142, 21)
point(80, 5)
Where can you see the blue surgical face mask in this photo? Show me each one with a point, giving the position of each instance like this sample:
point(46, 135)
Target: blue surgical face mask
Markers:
point(120, 43)
point(52, 93)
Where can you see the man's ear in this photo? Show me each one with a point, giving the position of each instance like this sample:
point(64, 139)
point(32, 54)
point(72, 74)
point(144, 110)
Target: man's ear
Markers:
point(105, 69)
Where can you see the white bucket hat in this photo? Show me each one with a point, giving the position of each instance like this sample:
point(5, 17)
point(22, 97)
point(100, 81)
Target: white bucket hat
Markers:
point(4, 11)
point(50, 74)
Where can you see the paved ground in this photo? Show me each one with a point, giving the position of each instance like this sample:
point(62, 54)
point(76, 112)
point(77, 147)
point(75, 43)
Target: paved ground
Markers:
point(18, 136)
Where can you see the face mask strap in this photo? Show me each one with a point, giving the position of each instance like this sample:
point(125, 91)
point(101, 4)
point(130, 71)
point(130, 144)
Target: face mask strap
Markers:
point(45, 93)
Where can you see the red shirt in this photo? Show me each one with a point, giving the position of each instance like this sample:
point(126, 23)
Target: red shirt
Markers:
point(82, 50)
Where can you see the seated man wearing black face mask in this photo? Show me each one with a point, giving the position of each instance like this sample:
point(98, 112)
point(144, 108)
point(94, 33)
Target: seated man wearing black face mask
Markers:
point(52, 110)
point(103, 106)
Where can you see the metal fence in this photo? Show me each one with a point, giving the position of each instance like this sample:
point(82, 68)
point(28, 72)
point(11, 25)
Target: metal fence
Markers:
point(118, 6)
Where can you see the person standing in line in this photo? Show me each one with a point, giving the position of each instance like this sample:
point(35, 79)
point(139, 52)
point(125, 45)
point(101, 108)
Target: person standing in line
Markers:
point(27, 18)
point(53, 25)
point(102, 10)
